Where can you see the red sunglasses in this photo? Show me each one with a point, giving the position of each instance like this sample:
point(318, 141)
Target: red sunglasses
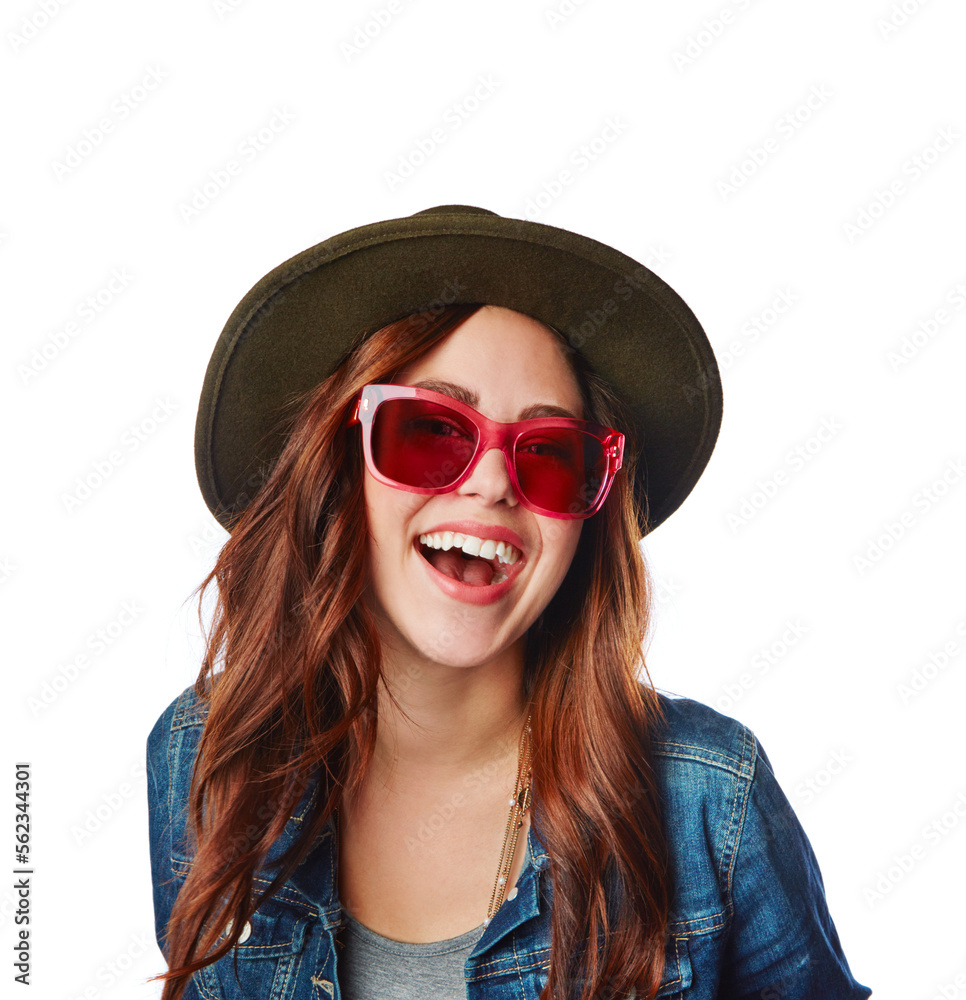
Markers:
point(426, 442)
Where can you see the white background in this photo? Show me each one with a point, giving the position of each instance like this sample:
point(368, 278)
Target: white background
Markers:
point(672, 111)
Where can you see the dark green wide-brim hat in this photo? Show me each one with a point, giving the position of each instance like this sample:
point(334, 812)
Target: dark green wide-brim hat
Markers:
point(299, 321)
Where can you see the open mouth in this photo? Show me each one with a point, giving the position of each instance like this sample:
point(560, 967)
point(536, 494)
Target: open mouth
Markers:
point(478, 562)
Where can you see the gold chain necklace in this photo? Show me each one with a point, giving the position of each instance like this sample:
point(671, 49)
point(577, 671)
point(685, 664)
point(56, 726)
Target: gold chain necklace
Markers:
point(519, 804)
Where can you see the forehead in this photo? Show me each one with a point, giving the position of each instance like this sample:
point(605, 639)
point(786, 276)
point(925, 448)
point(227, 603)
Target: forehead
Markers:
point(509, 361)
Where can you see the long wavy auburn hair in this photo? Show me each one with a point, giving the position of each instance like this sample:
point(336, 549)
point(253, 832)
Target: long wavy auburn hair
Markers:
point(295, 645)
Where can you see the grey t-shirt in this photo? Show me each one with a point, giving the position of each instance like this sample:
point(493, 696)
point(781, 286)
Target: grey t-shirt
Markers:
point(373, 967)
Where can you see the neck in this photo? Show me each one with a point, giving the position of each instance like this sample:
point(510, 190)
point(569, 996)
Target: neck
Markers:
point(450, 720)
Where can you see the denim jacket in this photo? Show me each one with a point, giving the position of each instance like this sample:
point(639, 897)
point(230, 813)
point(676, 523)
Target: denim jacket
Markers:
point(748, 912)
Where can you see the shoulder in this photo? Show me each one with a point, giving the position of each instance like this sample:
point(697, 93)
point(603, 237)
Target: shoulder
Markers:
point(707, 766)
point(188, 711)
point(694, 735)
point(172, 747)
point(171, 750)
point(748, 897)
point(720, 795)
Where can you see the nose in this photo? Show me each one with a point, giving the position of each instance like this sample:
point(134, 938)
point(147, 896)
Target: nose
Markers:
point(490, 480)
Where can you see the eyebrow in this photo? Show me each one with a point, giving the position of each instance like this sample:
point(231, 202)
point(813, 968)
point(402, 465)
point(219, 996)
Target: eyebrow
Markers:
point(470, 398)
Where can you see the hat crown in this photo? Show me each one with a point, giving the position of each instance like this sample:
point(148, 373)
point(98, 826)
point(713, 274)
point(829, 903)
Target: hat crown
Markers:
point(454, 209)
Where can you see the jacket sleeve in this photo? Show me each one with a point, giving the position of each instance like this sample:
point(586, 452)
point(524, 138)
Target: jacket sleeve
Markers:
point(161, 806)
point(782, 943)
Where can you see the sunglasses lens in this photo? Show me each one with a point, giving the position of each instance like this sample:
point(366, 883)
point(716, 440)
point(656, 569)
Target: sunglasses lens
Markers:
point(419, 443)
point(561, 469)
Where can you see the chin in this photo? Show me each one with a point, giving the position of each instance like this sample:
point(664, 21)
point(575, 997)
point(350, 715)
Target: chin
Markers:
point(451, 643)
point(455, 652)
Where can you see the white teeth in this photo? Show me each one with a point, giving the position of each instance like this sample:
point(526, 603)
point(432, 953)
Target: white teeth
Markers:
point(485, 548)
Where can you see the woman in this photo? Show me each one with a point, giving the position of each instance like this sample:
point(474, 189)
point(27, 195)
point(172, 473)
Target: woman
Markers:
point(418, 760)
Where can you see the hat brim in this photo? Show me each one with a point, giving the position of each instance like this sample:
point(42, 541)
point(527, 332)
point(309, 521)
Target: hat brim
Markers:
point(293, 327)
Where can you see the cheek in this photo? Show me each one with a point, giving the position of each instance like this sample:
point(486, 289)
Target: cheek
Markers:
point(389, 514)
point(560, 540)
point(376, 513)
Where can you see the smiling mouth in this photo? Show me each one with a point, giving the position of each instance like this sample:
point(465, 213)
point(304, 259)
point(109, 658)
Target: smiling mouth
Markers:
point(478, 562)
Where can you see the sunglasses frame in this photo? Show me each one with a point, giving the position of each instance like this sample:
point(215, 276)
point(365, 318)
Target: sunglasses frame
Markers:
point(491, 434)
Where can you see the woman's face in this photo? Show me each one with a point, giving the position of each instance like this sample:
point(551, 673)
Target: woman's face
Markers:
point(434, 603)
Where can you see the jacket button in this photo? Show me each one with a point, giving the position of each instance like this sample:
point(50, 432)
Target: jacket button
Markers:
point(513, 893)
point(246, 932)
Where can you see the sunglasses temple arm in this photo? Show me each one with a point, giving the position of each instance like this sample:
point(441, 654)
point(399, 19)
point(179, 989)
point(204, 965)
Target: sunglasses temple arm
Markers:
point(615, 450)
point(354, 419)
